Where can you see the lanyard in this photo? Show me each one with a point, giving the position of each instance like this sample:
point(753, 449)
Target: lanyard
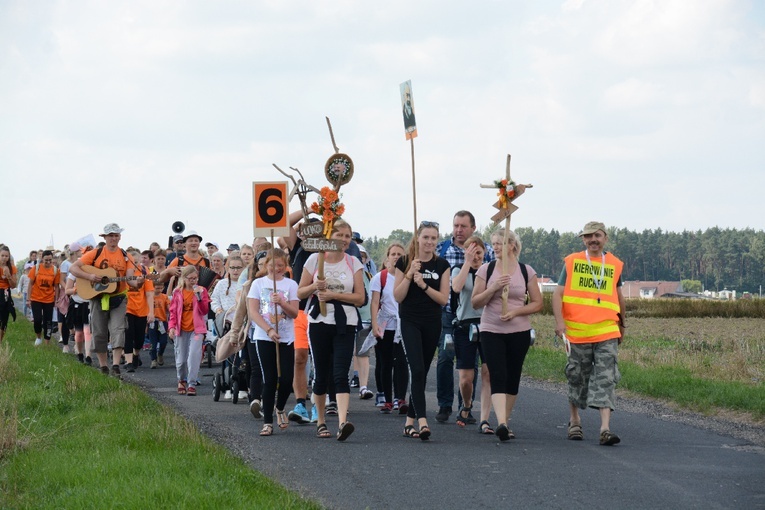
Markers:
point(598, 281)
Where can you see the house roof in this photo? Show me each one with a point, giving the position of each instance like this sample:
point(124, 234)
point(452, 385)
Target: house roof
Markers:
point(633, 288)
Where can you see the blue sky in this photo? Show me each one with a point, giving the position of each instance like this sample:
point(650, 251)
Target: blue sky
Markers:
point(641, 114)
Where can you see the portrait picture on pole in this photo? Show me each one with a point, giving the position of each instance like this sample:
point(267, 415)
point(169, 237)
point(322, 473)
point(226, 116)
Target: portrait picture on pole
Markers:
point(407, 106)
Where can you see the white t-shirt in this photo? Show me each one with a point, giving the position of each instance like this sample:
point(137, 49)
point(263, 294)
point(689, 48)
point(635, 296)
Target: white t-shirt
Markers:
point(339, 278)
point(389, 305)
point(76, 297)
point(261, 289)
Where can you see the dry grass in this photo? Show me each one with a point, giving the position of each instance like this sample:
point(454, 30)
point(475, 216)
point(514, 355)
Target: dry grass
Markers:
point(711, 348)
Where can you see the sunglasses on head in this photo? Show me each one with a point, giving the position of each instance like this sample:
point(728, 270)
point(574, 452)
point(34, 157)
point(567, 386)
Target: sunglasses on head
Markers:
point(432, 224)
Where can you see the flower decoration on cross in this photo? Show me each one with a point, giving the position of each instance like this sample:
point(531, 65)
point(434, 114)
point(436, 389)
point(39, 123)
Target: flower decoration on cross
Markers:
point(329, 208)
point(506, 192)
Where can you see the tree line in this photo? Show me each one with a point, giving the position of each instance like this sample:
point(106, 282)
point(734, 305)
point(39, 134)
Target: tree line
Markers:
point(718, 258)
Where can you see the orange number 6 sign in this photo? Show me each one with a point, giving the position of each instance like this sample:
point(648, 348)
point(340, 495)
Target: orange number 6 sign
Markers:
point(271, 208)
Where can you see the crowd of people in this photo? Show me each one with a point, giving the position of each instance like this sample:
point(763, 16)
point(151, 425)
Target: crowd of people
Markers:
point(463, 299)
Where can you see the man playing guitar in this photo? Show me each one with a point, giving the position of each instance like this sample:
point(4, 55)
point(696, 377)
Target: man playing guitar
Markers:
point(107, 319)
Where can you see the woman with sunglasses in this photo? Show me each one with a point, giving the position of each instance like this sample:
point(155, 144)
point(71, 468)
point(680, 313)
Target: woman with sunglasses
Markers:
point(421, 289)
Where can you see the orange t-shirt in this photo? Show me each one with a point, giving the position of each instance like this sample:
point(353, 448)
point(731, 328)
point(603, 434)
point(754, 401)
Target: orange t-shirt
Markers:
point(43, 284)
point(187, 318)
point(188, 261)
point(160, 307)
point(138, 302)
point(4, 283)
point(114, 259)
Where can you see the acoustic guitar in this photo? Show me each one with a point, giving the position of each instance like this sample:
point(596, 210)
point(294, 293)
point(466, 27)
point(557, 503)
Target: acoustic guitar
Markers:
point(107, 284)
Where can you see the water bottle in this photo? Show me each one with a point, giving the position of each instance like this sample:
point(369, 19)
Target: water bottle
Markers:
point(449, 345)
point(533, 334)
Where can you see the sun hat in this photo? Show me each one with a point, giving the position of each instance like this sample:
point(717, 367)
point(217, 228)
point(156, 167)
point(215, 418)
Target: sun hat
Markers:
point(192, 233)
point(111, 228)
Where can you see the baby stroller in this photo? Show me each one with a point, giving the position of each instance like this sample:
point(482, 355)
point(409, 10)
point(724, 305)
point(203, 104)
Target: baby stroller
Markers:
point(232, 376)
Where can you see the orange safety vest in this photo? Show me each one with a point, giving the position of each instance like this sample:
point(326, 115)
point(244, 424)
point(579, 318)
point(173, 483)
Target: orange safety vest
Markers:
point(589, 314)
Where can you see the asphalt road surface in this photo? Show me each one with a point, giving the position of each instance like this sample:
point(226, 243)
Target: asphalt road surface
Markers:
point(660, 463)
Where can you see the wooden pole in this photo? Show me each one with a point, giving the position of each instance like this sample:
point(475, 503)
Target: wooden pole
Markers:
point(276, 314)
point(505, 262)
point(414, 201)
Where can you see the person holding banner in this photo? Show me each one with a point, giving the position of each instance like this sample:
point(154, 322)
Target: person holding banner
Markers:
point(422, 288)
point(273, 305)
point(332, 336)
point(589, 306)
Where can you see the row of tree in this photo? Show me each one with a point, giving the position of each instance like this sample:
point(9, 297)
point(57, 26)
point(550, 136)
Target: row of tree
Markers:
point(718, 258)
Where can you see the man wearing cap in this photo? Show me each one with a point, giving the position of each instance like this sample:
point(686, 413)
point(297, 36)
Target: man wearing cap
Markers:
point(212, 247)
point(589, 314)
point(192, 256)
point(107, 311)
point(232, 247)
point(179, 248)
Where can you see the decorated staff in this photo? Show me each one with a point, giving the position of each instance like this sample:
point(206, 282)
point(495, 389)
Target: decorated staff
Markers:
point(410, 133)
point(508, 192)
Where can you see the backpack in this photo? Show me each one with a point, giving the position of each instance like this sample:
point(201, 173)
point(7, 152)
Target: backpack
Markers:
point(383, 279)
point(182, 261)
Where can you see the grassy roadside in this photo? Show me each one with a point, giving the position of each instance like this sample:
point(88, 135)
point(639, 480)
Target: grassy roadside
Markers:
point(705, 365)
point(72, 438)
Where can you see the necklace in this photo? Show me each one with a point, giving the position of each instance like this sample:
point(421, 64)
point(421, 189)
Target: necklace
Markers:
point(598, 281)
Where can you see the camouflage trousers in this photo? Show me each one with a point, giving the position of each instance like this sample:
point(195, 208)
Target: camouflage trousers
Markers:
point(592, 372)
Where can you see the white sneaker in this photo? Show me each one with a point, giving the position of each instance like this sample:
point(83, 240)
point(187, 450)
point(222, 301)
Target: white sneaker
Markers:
point(38, 341)
point(227, 396)
point(242, 395)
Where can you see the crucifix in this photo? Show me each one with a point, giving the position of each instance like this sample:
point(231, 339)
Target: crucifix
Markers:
point(508, 192)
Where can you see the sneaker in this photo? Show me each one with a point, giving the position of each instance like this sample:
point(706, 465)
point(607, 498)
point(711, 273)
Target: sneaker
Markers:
point(380, 399)
point(403, 407)
point(65, 349)
point(129, 368)
point(154, 364)
point(81, 358)
point(243, 395)
point(137, 361)
point(331, 409)
point(395, 404)
point(227, 395)
point(88, 360)
point(314, 414)
point(387, 408)
point(160, 360)
point(38, 341)
point(115, 372)
point(299, 414)
point(365, 393)
point(355, 381)
point(443, 414)
point(105, 370)
point(255, 409)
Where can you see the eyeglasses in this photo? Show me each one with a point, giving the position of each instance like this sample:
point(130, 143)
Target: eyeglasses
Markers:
point(235, 268)
point(432, 224)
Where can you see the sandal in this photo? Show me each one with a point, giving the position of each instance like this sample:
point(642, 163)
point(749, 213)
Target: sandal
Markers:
point(191, 391)
point(410, 431)
point(503, 433)
point(608, 438)
point(267, 429)
point(181, 388)
point(463, 420)
point(424, 433)
point(346, 429)
point(575, 432)
point(281, 419)
point(485, 428)
point(322, 431)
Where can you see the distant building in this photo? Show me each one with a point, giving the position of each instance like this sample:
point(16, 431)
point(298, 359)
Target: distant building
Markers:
point(650, 290)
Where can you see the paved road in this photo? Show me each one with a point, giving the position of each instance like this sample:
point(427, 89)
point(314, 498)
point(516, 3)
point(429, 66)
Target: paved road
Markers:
point(659, 464)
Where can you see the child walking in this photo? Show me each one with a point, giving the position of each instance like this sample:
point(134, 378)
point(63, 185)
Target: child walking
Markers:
point(187, 327)
point(158, 328)
point(272, 303)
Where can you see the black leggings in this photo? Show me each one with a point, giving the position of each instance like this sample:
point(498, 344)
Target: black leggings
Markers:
point(505, 354)
point(136, 332)
point(6, 305)
point(332, 355)
point(393, 377)
point(266, 350)
point(252, 371)
point(42, 313)
point(420, 342)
